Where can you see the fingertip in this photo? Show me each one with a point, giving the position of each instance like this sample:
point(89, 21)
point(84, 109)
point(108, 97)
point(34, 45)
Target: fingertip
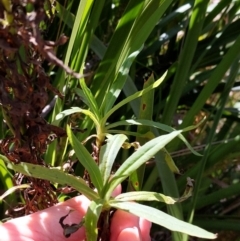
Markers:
point(145, 227)
point(129, 234)
point(122, 220)
point(117, 190)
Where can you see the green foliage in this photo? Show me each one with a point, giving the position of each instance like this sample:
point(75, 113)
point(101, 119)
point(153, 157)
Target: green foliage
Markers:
point(106, 183)
point(196, 44)
point(103, 200)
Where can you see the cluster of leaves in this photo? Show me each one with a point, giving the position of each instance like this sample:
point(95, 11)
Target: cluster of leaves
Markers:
point(197, 43)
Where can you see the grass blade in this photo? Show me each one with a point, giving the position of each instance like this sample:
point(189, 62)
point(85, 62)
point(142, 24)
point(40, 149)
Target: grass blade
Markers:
point(186, 57)
point(90, 99)
point(145, 112)
point(108, 154)
point(139, 157)
point(86, 160)
point(91, 220)
point(134, 96)
point(53, 175)
point(163, 219)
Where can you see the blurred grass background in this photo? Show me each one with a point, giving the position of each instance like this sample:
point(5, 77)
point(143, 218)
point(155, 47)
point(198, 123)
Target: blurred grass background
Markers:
point(198, 43)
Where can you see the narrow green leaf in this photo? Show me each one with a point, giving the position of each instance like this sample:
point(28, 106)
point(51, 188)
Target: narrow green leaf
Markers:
point(78, 28)
point(91, 219)
point(90, 100)
point(149, 135)
point(215, 12)
point(86, 160)
point(170, 162)
point(53, 175)
point(217, 117)
point(163, 219)
point(6, 178)
point(154, 196)
point(108, 154)
point(98, 47)
point(156, 125)
point(186, 57)
point(92, 22)
point(134, 27)
point(146, 107)
point(139, 157)
point(81, 94)
point(134, 96)
point(213, 81)
point(118, 84)
point(145, 196)
point(168, 182)
point(116, 52)
point(68, 18)
point(145, 112)
point(13, 189)
point(73, 110)
point(145, 153)
point(140, 122)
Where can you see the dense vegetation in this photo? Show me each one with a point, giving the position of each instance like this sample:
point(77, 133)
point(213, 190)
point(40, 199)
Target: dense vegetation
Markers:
point(70, 72)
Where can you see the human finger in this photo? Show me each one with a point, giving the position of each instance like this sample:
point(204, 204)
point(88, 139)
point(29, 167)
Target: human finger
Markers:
point(125, 224)
point(44, 225)
point(132, 234)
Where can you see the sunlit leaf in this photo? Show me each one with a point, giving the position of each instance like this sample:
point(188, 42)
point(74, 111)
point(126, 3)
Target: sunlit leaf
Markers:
point(13, 189)
point(134, 96)
point(90, 99)
point(163, 219)
point(156, 125)
point(145, 196)
point(91, 220)
point(86, 160)
point(139, 157)
point(108, 154)
point(171, 164)
point(73, 110)
point(54, 175)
